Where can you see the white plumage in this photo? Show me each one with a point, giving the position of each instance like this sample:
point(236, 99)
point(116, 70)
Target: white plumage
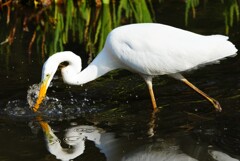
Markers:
point(148, 49)
point(156, 49)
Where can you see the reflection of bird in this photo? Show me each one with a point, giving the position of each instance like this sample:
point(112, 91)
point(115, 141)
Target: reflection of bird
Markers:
point(221, 156)
point(114, 149)
point(75, 137)
point(146, 49)
point(158, 152)
point(122, 149)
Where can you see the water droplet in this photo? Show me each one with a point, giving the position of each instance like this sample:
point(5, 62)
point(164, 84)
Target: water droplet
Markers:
point(32, 94)
point(55, 77)
point(73, 123)
point(51, 84)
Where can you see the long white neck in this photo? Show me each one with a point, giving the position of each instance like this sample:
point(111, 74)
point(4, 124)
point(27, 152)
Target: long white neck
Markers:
point(102, 64)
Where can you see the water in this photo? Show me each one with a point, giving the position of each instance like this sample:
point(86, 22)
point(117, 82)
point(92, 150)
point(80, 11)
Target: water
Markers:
point(111, 118)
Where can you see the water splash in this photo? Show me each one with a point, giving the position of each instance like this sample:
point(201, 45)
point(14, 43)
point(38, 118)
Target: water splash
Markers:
point(16, 108)
point(53, 105)
point(64, 107)
point(32, 94)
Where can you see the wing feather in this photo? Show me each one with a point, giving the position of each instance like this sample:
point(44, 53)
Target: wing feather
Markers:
point(156, 49)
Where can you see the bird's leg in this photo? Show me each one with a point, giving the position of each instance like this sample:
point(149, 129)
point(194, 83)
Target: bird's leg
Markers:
point(149, 84)
point(213, 101)
point(154, 104)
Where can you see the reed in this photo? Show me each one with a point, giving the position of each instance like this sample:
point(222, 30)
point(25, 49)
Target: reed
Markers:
point(231, 13)
point(190, 5)
point(89, 22)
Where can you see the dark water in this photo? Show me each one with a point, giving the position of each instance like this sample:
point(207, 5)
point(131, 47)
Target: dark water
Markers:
point(111, 118)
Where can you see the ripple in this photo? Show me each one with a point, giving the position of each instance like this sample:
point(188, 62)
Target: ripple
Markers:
point(224, 132)
point(53, 141)
point(85, 129)
point(72, 139)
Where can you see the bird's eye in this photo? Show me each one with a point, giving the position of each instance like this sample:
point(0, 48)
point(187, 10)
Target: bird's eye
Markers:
point(48, 75)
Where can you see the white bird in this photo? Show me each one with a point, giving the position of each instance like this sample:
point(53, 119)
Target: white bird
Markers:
point(148, 49)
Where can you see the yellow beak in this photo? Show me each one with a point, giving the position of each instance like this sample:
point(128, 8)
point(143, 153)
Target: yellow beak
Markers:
point(42, 94)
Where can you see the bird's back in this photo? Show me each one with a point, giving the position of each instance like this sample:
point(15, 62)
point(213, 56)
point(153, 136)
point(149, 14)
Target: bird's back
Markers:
point(156, 49)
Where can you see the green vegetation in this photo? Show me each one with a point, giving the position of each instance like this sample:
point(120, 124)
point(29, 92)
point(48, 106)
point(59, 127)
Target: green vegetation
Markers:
point(230, 11)
point(82, 21)
point(56, 23)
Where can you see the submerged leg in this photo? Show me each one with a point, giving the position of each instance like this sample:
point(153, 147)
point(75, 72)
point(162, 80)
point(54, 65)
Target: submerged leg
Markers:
point(213, 101)
point(149, 84)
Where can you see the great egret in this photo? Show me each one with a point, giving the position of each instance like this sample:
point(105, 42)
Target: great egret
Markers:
point(148, 49)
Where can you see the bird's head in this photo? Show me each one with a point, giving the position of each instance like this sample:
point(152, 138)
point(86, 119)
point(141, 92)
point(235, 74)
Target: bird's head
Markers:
point(49, 69)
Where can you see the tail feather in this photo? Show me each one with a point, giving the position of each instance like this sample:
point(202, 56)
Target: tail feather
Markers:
point(216, 48)
point(222, 37)
point(224, 47)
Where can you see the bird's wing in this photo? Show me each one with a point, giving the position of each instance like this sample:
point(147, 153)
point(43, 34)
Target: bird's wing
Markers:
point(156, 50)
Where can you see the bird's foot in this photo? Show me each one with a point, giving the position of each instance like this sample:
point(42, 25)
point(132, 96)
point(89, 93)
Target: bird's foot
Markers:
point(217, 105)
